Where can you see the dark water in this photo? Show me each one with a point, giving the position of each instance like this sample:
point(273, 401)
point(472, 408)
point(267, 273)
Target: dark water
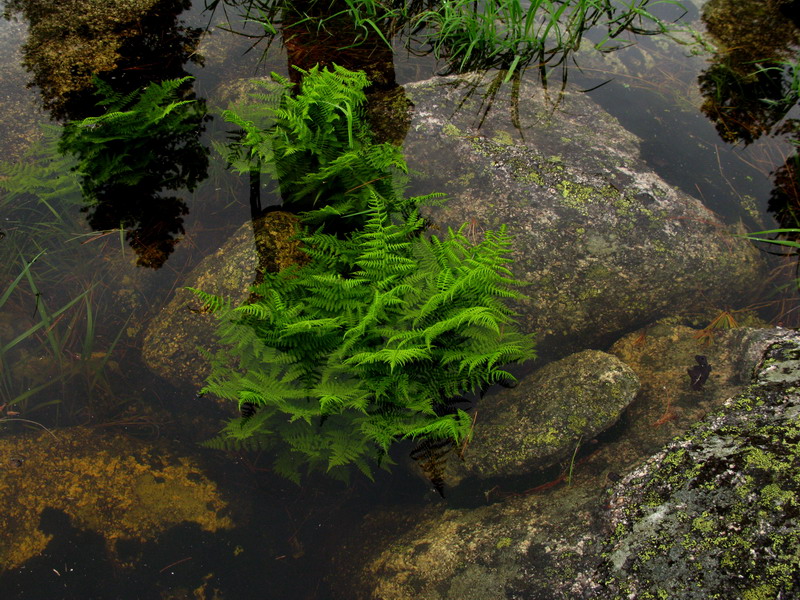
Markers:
point(283, 535)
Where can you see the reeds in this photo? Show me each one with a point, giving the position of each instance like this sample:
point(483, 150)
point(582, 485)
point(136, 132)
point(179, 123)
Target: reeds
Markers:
point(476, 34)
point(50, 295)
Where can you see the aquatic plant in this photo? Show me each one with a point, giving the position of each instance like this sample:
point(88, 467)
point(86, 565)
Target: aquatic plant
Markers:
point(50, 353)
point(503, 34)
point(316, 144)
point(48, 347)
point(334, 362)
point(758, 236)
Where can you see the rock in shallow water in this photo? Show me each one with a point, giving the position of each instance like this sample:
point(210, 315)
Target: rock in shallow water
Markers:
point(540, 422)
point(113, 485)
point(722, 498)
point(604, 244)
point(175, 337)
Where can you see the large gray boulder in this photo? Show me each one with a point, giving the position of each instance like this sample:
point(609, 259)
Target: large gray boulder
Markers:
point(604, 244)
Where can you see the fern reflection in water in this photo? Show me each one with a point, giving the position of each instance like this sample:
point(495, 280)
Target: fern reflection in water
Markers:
point(146, 142)
point(363, 346)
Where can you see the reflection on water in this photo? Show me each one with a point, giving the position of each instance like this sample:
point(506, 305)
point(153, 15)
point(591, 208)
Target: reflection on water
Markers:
point(70, 43)
point(123, 165)
point(751, 89)
point(89, 348)
point(746, 87)
point(140, 144)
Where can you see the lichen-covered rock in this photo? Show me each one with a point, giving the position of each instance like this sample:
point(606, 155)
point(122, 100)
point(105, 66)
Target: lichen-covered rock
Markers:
point(113, 485)
point(541, 421)
point(604, 244)
point(715, 515)
point(175, 337)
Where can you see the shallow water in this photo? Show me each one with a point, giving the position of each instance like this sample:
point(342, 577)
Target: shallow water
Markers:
point(86, 358)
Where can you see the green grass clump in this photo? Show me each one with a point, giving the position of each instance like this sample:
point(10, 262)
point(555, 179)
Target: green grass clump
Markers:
point(501, 34)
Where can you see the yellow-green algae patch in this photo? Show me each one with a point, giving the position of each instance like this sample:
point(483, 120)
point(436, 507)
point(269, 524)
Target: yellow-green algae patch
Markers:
point(119, 487)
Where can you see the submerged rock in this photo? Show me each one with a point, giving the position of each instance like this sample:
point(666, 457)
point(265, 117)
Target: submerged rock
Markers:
point(113, 485)
point(661, 356)
point(603, 243)
point(539, 423)
point(178, 335)
point(718, 503)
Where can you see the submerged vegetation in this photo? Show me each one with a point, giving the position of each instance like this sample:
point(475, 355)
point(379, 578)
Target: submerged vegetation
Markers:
point(380, 335)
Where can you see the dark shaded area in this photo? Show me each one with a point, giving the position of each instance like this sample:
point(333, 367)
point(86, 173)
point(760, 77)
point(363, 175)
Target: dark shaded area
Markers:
point(698, 374)
point(75, 565)
point(784, 200)
point(129, 45)
point(273, 559)
point(125, 172)
point(747, 87)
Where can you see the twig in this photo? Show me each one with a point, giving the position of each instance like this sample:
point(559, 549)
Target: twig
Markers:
point(177, 562)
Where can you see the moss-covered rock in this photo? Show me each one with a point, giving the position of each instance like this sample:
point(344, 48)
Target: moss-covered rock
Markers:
point(604, 244)
point(119, 487)
point(715, 515)
point(540, 422)
point(175, 337)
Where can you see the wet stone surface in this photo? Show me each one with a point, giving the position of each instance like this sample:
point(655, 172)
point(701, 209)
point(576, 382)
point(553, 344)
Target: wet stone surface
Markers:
point(175, 336)
point(541, 421)
point(683, 523)
point(602, 242)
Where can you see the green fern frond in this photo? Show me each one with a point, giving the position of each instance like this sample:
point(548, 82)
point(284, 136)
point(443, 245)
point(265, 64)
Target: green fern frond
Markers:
point(231, 444)
point(211, 302)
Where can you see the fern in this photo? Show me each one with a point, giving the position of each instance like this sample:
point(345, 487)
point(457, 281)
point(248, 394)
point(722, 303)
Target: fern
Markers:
point(316, 145)
point(140, 135)
point(368, 343)
point(140, 145)
point(350, 361)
